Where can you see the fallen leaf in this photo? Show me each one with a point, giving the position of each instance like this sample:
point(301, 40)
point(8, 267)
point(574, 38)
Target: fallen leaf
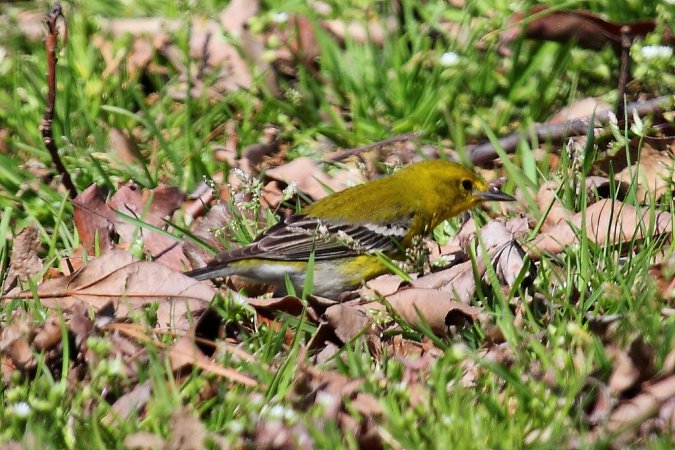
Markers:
point(24, 262)
point(185, 354)
point(115, 277)
point(373, 32)
point(139, 56)
point(48, 334)
point(347, 322)
point(438, 309)
point(384, 285)
point(187, 431)
point(293, 305)
point(123, 146)
point(580, 109)
point(654, 174)
point(143, 440)
point(458, 280)
point(15, 343)
point(134, 400)
point(208, 229)
point(152, 207)
point(234, 17)
point(94, 220)
point(607, 222)
point(631, 413)
point(306, 174)
point(585, 29)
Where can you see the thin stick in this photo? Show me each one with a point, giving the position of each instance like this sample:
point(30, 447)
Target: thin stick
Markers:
point(484, 153)
point(375, 145)
point(624, 75)
point(46, 123)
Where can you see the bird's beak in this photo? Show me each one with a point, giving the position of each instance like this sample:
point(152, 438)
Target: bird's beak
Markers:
point(495, 195)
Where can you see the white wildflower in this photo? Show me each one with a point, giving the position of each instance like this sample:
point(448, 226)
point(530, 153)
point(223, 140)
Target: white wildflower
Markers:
point(449, 59)
point(656, 51)
point(280, 17)
point(21, 409)
point(290, 191)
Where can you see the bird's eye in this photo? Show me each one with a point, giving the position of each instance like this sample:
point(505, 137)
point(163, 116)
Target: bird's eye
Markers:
point(467, 185)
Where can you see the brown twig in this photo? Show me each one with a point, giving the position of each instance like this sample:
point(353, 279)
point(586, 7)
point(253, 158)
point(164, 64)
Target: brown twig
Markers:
point(375, 145)
point(626, 41)
point(484, 153)
point(46, 123)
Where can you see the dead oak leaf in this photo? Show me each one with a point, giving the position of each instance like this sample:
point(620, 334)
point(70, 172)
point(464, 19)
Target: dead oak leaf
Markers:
point(606, 222)
point(654, 173)
point(24, 262)
point(439, 310)
point(116, 277)
point(307, 175)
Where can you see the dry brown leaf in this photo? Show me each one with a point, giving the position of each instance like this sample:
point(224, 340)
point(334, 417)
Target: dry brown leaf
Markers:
point(606, 222)
point(580, 109)
point(184, 354)
point(585, 29)
point(207, 229)
point(233, 72)
point(384, 285)
point(504, 253)
point(631, 367)
point(234, 17)
point(152, 207)
point(438, 309)
point(139, 56)
point(458, 280)
point(24, 262)
point(115, 277)
point(48, 334)
point(143, 440)
point(654, 174)
point(631, 413)
point(293, 305)
point(15, 343)
point(187, 431)
point(548, 198)
point(347, 322)
point(374, 32)
point(664, 275)
point(94, 220)
point(306, 174)
point(123, 146)
point(134, 400)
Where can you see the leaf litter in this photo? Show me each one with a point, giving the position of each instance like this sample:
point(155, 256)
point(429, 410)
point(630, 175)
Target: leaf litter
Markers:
point(107, 295)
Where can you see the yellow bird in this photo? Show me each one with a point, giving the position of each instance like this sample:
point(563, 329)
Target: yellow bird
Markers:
point(347, 229)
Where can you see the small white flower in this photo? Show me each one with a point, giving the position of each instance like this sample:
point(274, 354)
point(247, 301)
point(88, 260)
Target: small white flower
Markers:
point(657, 51)
point(290, 191)
point(280, 17)
point(449, 59)
point(21, 409)
point(276, 412)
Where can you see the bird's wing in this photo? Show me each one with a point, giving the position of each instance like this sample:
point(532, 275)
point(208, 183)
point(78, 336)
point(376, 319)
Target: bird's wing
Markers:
point(295, 238)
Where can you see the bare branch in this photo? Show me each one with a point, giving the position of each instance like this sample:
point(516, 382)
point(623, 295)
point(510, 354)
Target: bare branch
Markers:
point(48, 117)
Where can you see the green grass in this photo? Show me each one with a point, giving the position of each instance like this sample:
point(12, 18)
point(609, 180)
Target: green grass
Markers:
point(367, 93)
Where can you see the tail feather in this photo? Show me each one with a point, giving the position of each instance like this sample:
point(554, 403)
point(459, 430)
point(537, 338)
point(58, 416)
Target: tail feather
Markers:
point(208, 272)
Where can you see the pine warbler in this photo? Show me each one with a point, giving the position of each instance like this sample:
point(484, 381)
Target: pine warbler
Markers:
point(346, 229)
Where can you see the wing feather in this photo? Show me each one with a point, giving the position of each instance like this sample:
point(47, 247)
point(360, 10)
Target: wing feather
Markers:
point(295, 238)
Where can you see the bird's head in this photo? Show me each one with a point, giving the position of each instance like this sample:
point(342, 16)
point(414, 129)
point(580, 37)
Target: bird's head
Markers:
point(450, 188)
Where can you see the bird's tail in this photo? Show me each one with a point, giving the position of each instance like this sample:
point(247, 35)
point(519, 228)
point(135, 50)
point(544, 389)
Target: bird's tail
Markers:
point(208, 272)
